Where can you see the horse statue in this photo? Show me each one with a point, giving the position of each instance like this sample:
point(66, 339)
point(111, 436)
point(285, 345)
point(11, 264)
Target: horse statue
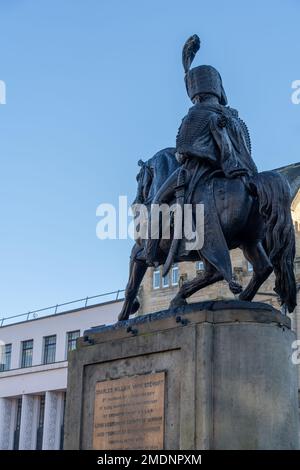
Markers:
point(255, 217)
point(212, 165)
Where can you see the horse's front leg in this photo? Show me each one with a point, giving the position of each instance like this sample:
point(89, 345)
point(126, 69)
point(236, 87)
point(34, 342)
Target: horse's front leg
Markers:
point(163, 196)
point(137, 271)
point(188, 288)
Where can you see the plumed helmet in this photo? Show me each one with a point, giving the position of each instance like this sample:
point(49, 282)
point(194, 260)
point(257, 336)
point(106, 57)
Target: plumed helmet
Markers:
point(202, 79)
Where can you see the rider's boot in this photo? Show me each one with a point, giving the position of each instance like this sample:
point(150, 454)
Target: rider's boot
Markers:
point(164, 194)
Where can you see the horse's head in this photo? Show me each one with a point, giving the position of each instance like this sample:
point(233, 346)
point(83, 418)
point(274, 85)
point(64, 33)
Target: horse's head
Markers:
point(144, 179)
point(154, 173)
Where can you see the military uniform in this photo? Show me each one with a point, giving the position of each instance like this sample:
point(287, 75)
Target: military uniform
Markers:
point(212, 140)
point(217, 135)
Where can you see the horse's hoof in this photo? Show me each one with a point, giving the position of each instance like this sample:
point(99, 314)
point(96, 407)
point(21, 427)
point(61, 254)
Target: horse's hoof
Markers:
point(135, 306)
point(244, 296)
point(123, 316)
point(179, 302)
point(235, 287)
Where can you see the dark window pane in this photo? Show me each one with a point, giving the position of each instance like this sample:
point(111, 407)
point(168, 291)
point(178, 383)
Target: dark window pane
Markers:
point(19, 411)
point(49, 349)
point(40, 429)
point(5, 357)
point(61, 445)
point(42, 411)
point(72, 337)
point(18, 424)
point(27, 349)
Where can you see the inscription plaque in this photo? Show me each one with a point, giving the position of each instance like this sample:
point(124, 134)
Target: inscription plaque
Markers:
point(129, 413)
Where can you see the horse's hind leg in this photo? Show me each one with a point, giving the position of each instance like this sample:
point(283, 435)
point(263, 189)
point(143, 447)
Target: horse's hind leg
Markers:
point(137, 271)
point(208, 277)
point(254, 252)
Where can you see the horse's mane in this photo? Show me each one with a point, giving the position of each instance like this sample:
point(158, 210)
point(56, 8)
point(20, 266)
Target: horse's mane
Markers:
point(168, 152)
point(161, 165)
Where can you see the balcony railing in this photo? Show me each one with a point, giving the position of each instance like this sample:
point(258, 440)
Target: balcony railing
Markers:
point(61, 308)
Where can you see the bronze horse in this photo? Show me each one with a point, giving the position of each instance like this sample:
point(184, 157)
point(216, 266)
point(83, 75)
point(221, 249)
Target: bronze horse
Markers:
point(254, 216)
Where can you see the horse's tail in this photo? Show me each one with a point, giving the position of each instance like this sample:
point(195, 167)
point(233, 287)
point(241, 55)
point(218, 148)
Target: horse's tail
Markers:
point(274, 198)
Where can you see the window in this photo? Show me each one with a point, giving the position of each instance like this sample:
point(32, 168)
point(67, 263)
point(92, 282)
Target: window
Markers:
point(18, 424)
point(175, 275)
point(5, 357)
point(71, 339)
point(249, 267)
point(40, 429)
point(61, 444)
point(49, 349)
point(156, 279)
point(199, 266)
point(165, 281)
point(27, 350)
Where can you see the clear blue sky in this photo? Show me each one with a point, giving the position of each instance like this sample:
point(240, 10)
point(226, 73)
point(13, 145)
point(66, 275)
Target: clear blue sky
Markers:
point(94, 85)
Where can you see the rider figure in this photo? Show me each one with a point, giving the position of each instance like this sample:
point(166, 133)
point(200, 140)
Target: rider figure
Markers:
point(211, 137)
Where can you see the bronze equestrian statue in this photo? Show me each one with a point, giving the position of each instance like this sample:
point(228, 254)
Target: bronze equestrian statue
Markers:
point(212, 165)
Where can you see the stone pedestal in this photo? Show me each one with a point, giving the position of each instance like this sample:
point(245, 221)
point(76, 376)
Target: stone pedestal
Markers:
point(224, 370)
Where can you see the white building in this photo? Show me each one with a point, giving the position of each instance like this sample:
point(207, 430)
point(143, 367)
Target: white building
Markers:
point(33, 372)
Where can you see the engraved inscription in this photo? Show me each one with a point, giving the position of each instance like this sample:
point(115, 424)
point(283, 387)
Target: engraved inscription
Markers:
point(129, 413)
